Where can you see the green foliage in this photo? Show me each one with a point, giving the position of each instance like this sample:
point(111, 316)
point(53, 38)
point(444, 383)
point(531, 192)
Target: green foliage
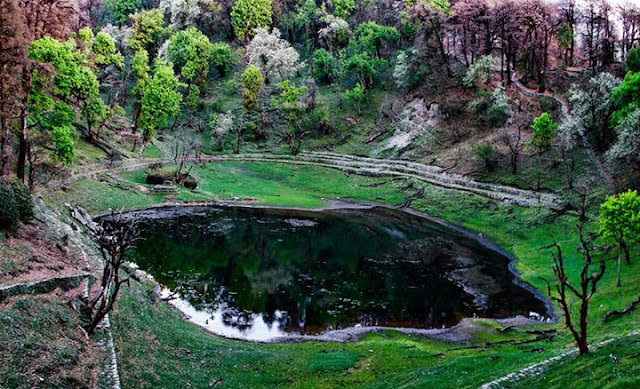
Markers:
point(94, 111)
point(544, 132)
point(565, 35)
point(620, 217)
point(632, 61)
point(373, 37)
point(356, 96)
point(140, 68)
point(84, 36)
point(147, 27)
point(487, 153)
point(221, 57)
point(626, 96)
point(105, 50)
point(289, 95)
point(479, 70)
point(62, 139)
point(324, 65)
point(343, 8)
point(247, 15)
point(252, 79)
point(190, 51)
point(161, 99)
point(9, 213)
point(123, 8)
point(364, 67)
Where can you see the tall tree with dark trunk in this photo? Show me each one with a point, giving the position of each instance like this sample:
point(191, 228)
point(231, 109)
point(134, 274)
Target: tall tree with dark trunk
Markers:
point(38, 18)
point(12, 55)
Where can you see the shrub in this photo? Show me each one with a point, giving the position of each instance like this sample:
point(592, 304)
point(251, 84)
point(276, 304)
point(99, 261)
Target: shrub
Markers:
point(9, 213)
point(159, 176)
point(487, 153)
point(23, 200)
point(190, 183)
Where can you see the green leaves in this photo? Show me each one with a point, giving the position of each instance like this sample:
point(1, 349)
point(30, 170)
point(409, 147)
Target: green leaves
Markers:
point(247, 15)
point(190, 51)
point(221, 57)
point(544, 132)
point(620, 217)
point(252, 78)
point(161, 99)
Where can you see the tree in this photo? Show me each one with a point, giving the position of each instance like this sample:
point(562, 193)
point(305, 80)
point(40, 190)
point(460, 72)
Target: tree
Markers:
point(627, 145)
point(114, 239)
point(252, 79)
point(343, 8)
point(479, 70)
point(161, 100)
point(335, 34)
point(12, 55)
point(140, 69)
point(324, 65)
point(248, 15)
point(356, 96)
point(190, 52)
point(374, 38)
point(584, 292)
point(626, 97)
point(591, 109)
point(364, 67)
point(513, 141)
point(289, 100)
point(544, 132)
point(272, 54)
point(620, 223)
point(221, 58)
point(147, 28)
point(487, 153)
point(632, 61)
point(122, 9)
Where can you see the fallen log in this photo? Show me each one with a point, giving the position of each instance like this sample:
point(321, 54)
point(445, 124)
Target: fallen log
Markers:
point(628, 309)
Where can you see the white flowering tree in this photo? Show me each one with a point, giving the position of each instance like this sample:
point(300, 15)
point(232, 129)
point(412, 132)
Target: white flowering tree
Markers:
point(336, 33)
point(627, 146)
point(272, 54)
point(591, 109)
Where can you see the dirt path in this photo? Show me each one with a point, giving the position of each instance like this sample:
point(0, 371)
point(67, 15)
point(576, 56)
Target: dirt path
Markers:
point(357, 165)
point(566, 112)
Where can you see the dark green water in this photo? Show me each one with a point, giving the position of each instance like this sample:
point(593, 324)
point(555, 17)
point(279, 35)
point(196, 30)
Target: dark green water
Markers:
point(259, 274)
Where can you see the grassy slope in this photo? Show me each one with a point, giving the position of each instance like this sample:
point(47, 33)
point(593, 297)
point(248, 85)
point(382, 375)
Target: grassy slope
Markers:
point(151, 335)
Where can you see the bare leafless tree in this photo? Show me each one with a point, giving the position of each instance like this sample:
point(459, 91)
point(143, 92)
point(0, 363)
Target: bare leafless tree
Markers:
point(584, 292)
point(115, 238)
point(514, 142)
point(185, 147)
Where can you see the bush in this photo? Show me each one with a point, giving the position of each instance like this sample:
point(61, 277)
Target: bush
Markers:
point(9, 213)
point(190, 183)
point(487, 153)
point(23, 200)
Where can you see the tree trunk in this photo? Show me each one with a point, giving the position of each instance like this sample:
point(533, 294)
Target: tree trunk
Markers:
point(22, 151)
point(619, 264)
point(4, 135)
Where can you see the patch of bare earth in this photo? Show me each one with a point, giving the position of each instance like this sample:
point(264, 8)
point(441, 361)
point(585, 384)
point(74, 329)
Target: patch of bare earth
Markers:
point(33, 253)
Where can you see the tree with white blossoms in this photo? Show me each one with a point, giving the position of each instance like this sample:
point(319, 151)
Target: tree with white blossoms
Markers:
point(181, 13)
point(335, 34)
point(272, 54)
point(627, 146)
point(220, 125)
point(591, 109)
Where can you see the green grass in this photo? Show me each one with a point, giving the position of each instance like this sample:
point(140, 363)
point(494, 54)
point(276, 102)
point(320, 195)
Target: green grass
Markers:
point(150, 335)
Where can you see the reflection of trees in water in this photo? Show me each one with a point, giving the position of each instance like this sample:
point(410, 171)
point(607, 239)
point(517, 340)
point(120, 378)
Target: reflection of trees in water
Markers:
point(338, 271)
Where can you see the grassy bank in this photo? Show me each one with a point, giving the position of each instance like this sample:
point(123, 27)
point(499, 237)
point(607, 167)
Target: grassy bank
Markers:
point(156, 347)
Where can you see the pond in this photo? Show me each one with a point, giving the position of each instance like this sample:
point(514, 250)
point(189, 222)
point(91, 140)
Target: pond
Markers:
point(260, 274)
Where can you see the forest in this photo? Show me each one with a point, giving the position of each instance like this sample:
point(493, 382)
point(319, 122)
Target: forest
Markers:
point(319, 193)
